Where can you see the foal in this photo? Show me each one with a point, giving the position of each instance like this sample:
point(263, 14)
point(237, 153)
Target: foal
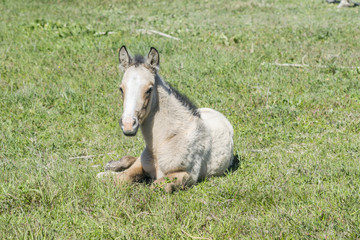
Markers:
point(183, 144)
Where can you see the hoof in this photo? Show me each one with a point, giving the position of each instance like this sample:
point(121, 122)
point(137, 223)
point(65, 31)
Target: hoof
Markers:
point(114, 166)
point(120, 165)
point(116, 177)
point(103, 175)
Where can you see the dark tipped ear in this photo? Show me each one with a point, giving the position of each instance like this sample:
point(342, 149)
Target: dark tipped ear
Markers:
point(124, 58)
point(153, 58)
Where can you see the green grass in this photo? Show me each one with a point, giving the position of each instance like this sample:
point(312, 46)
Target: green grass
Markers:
point(296, 129)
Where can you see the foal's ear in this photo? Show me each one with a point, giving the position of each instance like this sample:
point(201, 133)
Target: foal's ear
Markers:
point(153, 58)
point(124, 58)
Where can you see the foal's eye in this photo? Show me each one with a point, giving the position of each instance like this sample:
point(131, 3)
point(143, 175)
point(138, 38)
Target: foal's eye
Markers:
point(121, 90)
point(149, 90)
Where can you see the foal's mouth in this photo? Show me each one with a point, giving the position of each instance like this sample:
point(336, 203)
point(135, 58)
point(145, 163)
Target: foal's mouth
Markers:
point(130, 134)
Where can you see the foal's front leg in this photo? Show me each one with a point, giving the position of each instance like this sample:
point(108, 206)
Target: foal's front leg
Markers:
point(120, 165)
point(134, 173)
point(172, 181)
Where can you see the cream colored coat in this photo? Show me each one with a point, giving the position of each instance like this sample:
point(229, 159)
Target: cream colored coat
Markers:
point(183, 145)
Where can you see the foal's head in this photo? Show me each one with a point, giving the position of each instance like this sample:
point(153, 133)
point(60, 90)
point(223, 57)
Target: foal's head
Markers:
point(137, 88)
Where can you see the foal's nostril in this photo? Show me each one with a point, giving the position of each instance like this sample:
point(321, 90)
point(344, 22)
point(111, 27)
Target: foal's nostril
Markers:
point(135, 121)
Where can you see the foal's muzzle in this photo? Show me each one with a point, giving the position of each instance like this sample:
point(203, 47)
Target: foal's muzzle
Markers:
point(129, 125)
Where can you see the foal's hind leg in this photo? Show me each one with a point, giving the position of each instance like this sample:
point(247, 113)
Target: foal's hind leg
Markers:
point(120, 165)
point(173, 181)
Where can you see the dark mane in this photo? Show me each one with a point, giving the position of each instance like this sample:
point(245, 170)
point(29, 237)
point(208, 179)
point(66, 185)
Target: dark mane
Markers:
point(185, 101)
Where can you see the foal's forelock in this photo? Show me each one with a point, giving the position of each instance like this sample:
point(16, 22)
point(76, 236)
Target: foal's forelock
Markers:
point(138, 61)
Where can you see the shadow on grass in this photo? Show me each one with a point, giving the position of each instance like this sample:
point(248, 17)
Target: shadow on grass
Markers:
point(354, 4)
point(236, 163)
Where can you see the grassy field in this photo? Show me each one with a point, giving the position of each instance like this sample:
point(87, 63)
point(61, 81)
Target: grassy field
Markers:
point(296, 129)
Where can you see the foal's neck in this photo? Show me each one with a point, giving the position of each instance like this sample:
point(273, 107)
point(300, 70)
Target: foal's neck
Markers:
point(170, 114)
